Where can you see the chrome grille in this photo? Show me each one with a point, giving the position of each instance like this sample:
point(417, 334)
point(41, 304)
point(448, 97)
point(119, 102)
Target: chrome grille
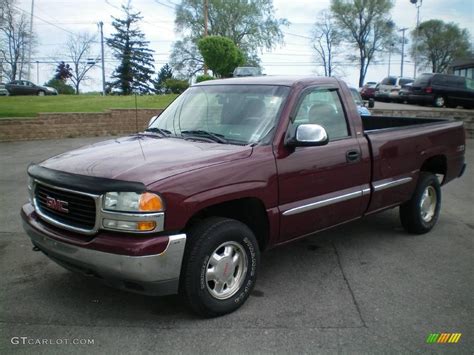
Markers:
point(81, 208)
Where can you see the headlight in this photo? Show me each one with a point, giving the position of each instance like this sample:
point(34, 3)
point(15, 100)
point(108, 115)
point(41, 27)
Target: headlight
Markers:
point(130, 211)
point(132, 202)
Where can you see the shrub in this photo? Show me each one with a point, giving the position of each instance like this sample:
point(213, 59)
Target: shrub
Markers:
point(61, 86)
point(176, 86)
point(204, 77)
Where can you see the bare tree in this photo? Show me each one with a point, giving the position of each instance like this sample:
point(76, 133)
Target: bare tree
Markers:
point(367, 26)
point(327, 38)
point(15, 39)
point(79, 49)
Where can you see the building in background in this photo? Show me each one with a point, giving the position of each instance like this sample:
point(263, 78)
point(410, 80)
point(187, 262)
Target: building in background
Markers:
point(463, 67)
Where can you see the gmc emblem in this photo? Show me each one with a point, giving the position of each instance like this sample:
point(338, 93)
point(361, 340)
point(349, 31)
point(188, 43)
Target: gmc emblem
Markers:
point(56, 204)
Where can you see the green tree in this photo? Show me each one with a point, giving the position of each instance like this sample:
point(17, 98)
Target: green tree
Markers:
point(220, 55)
point(63, 72)
point(164, 74)
point(439, 43)
point(128, 44)
point(251, 25)
point(368, 25)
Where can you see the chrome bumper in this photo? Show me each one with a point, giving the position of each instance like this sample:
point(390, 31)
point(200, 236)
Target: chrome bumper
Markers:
point(151, 274)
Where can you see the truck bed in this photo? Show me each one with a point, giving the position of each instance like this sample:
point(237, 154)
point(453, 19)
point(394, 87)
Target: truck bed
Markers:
point(373, 123)
point(400, 146)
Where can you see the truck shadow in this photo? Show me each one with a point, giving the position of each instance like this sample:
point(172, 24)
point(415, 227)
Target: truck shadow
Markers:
point(301, 282)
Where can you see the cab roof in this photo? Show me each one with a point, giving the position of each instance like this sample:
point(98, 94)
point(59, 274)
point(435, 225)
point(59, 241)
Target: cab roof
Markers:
point(280, 80)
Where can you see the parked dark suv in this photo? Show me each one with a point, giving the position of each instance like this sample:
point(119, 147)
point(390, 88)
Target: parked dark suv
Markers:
point(442, 90)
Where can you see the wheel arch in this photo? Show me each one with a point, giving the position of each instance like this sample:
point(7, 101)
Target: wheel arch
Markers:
point(249, 210)
point(437, 164)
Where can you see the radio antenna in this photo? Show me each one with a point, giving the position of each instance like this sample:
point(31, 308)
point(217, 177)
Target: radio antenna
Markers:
point(136, 113)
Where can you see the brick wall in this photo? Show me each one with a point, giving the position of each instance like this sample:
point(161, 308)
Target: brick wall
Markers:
point(463, 115)
point(69, 125)
point(122, 122)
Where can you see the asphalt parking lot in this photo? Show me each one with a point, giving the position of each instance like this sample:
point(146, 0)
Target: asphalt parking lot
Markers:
point(366, 287)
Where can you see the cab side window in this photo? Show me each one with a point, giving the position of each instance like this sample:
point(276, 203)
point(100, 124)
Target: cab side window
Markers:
point(323, 107)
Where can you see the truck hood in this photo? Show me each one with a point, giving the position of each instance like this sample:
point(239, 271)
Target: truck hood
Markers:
point(144, 158)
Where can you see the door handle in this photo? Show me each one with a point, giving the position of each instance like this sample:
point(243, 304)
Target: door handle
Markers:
point(353, 156)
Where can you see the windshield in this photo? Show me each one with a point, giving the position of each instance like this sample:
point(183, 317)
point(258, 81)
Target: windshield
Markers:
point(239, 114)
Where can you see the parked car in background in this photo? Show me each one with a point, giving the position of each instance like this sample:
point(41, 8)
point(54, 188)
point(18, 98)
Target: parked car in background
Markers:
point(368, 90)
point(442, 90)
point(24, 87)
point(404, 92)
point(389, 88)
point(3, 90)
point(247, 71)
point(363, 111)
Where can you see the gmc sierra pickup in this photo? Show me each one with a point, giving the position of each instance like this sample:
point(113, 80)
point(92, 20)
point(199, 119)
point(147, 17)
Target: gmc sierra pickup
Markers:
point(231, 168)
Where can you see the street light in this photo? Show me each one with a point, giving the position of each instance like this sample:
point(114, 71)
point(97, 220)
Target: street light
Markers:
point(403, 49)
point(418, 4)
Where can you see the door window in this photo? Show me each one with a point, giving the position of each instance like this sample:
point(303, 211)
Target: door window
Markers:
point(323, 107)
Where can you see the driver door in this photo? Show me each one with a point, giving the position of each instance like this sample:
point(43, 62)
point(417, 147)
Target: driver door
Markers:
point(321, 186)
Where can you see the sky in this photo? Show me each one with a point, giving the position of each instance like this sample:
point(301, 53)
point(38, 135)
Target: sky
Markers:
point(55, 20)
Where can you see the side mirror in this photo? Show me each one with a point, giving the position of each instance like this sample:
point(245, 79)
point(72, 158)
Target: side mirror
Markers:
point(307, 135)
point(371, 103)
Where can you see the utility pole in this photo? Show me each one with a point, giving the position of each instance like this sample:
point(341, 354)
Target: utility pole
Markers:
point(418, 4)
point(389, 57)
point(31, 39)
point(101, 26)
point(206, 11)
point(37, 73)
point(403, 48)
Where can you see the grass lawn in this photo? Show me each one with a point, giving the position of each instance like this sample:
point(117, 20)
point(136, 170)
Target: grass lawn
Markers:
point(30, 106)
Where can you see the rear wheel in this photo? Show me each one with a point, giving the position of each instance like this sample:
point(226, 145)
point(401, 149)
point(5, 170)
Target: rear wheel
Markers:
point(439, 101)
point(219, 266)
point(420, 214)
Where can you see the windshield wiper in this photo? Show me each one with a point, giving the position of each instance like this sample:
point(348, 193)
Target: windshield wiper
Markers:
point(163, 132)
point(216, 137)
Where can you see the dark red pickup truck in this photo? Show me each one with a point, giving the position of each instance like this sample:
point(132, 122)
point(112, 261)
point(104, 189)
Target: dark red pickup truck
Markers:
point(231, 168)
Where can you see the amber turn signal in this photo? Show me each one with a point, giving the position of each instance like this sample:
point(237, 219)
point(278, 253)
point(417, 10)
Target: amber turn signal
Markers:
point(150, 202)
point(146, 226)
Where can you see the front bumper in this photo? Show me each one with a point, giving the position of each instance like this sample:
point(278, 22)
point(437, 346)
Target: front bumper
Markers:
point(152, 274)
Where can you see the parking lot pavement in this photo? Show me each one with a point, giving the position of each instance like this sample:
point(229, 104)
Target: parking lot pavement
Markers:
point(366, 287)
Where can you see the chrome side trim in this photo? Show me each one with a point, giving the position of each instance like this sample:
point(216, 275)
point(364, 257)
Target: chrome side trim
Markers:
point(323, 203)
point(382, 185)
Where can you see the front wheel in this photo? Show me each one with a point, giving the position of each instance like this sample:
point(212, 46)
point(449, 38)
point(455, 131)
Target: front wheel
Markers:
point(41, 93)
point(220, 266)
point(420, 214)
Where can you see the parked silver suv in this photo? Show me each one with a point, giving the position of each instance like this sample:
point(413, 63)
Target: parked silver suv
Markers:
point(389, 88)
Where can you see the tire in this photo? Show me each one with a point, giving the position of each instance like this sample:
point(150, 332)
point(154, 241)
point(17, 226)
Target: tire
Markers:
point(420, 214)
point(439, 101)
point(41, 93)
point(209, 293)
